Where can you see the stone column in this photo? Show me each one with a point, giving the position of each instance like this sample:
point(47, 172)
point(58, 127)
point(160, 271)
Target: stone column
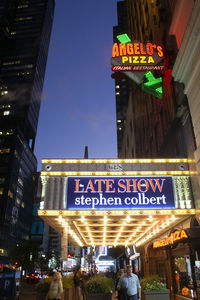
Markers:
point(64, 245)
point(43, 202)
point(57, 194)
point(51, 193)
point(63, 201)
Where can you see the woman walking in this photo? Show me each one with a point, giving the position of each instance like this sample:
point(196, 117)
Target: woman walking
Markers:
point(56, 288)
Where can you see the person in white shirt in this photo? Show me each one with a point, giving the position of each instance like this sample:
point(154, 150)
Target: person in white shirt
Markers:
point(131, 283)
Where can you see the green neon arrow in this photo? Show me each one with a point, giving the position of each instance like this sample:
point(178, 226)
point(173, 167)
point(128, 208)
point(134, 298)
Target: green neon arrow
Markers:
point(123, 38)
point(153, 86)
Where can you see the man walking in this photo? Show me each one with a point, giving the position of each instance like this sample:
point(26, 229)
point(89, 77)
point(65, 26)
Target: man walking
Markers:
point(131, 283)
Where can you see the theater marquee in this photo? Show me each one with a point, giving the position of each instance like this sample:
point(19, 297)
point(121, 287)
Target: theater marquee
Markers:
point(120, 193)
point(115, 202)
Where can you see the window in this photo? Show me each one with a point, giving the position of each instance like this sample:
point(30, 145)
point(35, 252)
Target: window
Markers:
point(183, 276)
point(2, 180)
point(5, 106)
point(10, 194)
point(16, 62)
point(19, 191)
point(5, 151)
point(22, 6)
point(6, 112)
point(18, 201)
point(4, 93)
point(20, 181)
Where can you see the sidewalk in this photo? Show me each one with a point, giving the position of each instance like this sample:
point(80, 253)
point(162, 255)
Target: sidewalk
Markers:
point(27, 291)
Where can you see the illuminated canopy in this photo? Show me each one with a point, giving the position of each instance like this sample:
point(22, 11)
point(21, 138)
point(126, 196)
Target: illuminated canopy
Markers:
point(94, 225)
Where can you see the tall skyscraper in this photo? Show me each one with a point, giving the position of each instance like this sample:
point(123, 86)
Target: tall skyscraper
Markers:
point(24, 41)
point(121, 82)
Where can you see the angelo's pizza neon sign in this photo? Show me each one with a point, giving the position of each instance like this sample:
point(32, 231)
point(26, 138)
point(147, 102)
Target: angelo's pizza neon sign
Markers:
point(135, 53)
point(135, 56)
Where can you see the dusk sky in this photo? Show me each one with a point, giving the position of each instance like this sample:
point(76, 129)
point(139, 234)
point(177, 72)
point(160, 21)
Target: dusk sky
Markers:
point(78, 106)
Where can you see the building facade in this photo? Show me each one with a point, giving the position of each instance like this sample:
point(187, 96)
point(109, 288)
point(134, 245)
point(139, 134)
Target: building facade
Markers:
point(121, 82)
point(186, 70)
point(24, 36)
point(168, 127)
point(151, 122)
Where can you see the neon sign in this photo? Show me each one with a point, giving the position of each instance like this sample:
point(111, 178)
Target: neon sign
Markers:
point(153, 85)
point(108, 193)
point(136, 49)
point(123, 38)
point(135, 56)
point(174, 237)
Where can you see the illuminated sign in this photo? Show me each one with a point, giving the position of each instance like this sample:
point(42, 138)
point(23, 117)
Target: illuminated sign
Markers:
point(123, 38)
point(108, 193)
point(153, 85)
point(135, 56)
point(174, 237)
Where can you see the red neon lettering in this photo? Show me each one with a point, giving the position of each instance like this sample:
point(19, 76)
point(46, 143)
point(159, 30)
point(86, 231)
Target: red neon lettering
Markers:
point(157, 184)
point(120, 184)
point(99, 182)
point(109, 183)
point(90, 187)
point(142, 51)
point(122, 49)
point(160, 51)
point(177, 236)
point(143, 183)
point(130, 49)
point(115, 50)
point(183, 234)
point(129, 185)
point(149, 49)
point(136, 48)
point(77, 186)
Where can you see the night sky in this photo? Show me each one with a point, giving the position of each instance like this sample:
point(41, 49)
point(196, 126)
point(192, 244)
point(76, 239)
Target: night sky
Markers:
point(78, 105)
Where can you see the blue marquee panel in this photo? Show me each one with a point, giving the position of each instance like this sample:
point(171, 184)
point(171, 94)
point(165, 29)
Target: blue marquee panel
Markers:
point(113, 193)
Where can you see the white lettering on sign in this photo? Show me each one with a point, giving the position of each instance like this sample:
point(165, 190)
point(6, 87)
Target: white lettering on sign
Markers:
point(141, 199)
point(6, 284)
point(120, 192)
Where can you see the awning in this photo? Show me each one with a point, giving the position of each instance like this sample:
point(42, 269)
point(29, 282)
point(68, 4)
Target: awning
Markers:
point(113, 228)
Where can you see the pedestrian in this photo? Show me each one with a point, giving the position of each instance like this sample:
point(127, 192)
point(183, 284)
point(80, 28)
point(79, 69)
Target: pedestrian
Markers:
point(83, 280)
point(130, 284)
point(56, 288)
point(77, 283)
point(120, 292)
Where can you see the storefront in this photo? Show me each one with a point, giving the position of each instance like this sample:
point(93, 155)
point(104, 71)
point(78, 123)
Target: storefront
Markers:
point(175, 257)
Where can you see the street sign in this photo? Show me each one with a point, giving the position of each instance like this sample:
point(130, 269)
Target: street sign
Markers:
point(7, 284)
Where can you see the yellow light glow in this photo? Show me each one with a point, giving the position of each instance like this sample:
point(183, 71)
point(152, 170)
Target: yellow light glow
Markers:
point(119, 212)
point(128, 173)
point(105, 219)
point(126, 161)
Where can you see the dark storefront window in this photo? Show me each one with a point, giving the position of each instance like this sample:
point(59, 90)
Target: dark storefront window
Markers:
point(183, 276)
